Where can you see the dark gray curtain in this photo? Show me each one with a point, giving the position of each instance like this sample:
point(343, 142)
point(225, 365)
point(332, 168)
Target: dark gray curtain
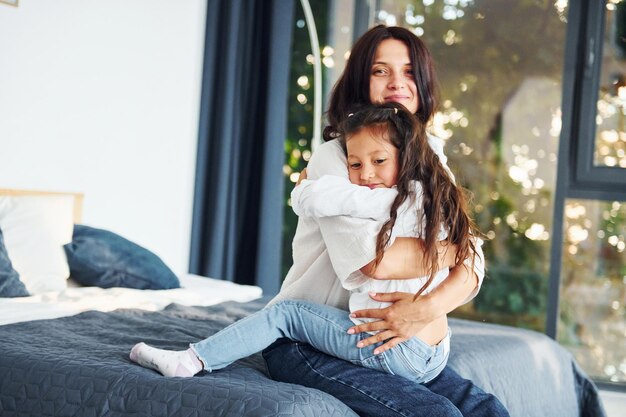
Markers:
point(238, 201)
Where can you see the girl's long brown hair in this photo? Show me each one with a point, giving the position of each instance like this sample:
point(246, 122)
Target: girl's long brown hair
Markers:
point(444, 202)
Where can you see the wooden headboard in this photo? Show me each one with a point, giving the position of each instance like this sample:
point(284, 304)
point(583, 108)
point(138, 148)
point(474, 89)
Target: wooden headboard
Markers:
point(78, 198)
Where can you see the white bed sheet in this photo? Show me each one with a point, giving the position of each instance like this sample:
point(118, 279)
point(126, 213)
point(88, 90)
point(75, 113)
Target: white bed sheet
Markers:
point(195, 291)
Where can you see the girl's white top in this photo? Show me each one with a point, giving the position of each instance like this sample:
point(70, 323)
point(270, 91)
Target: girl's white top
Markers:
point(336, 196)
point(336, 235)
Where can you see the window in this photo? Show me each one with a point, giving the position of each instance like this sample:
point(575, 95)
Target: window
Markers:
point(589, 279)
point(592, 319)
point(299, 139)
point(334, 26)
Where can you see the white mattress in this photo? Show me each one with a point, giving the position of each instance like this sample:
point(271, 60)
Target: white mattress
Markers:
point(194, 291)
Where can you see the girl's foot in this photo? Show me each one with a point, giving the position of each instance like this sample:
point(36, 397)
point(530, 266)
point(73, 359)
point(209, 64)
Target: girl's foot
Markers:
point(182, 363)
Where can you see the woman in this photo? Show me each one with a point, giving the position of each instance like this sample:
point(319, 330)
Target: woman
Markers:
point(386, 64)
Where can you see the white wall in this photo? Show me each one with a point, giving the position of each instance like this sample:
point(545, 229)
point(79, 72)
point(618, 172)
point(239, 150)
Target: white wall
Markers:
point(102, 97)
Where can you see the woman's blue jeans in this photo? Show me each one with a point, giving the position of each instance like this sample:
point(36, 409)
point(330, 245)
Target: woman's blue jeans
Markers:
point(324, 327)
point(374, 394)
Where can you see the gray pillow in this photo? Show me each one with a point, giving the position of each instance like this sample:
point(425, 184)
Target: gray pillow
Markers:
point(104, 259)
point(10, 284)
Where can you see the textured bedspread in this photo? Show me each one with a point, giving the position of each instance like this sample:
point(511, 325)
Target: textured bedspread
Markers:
point(529, 372)
point(79, 366)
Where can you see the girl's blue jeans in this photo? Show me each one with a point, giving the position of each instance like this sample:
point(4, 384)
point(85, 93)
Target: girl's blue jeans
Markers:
point(325, 328)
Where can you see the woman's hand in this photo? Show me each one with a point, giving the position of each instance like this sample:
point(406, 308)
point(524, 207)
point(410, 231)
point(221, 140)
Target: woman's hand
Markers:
point(301, 177)
point(408, 315)
point(398, 322)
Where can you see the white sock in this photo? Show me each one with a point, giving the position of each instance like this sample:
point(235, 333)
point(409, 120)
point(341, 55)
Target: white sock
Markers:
point(182, 363)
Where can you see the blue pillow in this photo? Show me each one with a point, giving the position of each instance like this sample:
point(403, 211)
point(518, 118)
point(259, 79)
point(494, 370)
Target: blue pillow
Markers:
point(104, 259)
point(10, 284)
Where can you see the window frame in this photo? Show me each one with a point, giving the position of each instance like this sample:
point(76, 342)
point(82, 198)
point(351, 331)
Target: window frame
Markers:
point(589, 177)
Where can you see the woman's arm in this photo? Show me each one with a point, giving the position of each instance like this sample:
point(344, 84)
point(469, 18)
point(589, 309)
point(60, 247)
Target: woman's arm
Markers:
point(408, 315)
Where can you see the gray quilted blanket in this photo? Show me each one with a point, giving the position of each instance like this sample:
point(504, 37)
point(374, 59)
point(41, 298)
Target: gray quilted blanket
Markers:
point(530, 373)
point(79, 366)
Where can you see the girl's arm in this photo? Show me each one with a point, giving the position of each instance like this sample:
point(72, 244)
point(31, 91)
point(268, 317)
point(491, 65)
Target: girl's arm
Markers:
point(403, 260)
point(351, 241)
point(332, 195)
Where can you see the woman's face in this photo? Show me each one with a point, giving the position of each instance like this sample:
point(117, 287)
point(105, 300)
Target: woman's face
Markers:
point(391, 78)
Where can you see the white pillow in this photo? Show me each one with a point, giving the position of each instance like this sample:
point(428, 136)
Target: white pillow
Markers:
point(35, 228)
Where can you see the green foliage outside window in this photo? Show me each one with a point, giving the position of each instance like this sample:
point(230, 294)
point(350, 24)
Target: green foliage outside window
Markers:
point(300, 122)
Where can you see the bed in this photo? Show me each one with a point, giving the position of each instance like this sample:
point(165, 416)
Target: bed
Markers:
point(65, 353)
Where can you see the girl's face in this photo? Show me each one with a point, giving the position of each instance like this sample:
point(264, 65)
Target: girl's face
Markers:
point(372, 159)
point(391, 78)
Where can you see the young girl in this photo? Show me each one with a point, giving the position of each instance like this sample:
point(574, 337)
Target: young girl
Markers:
point(386, 147)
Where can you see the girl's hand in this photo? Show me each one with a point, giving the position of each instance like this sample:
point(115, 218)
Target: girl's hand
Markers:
point(398, 322)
